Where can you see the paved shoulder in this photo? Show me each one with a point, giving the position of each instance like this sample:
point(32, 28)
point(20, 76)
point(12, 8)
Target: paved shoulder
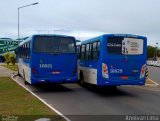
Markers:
point(154, 73)
point(5, 72)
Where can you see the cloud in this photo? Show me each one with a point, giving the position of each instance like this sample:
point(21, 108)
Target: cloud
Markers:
point(85, 16)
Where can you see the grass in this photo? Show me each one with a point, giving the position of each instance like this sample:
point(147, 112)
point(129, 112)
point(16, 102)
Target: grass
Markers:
point(16, 101)
point(11, 67)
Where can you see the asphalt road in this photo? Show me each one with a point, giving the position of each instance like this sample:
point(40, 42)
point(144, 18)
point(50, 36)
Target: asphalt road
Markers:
point(154, 73)
point(84, 103)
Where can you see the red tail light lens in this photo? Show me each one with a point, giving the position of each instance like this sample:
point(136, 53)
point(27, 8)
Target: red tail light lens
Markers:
point(105, 70)
point(34, 70)
point(143, 71)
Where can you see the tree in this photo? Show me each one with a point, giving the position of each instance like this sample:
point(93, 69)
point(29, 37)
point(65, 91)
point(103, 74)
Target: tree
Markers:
point(150, 52)
point(158, 53)
point(6, 56)
point(10, 58)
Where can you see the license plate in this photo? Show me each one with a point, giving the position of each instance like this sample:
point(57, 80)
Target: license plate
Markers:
point(124, 77)
point(55, 72)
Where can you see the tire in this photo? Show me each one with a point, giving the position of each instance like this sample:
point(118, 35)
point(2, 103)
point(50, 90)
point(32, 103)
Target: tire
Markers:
point(18, 72)
point(81, 79)
point(25, 82)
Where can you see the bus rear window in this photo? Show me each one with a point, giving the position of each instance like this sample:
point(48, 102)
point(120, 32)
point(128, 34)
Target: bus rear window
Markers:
point(54, 44)
point(126, 46)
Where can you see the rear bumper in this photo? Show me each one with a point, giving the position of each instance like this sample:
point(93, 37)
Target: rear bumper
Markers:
point(54, 80)
point(105, 82)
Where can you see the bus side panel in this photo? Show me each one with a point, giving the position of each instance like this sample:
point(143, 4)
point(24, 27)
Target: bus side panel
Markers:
point(20, 68)
point(89, 74)
point(24, 69)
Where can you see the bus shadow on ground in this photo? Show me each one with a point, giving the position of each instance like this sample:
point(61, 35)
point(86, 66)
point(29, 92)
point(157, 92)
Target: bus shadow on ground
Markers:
point(108, 91)
point(49, 87)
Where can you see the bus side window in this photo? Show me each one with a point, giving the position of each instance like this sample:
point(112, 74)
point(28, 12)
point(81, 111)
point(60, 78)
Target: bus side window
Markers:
point(78, 51)
point(90, 51)
point(29, 46)
point(28, 50)
point(22, 51)
point(96, 50)
point(87, 52)
point(83, 50)
point(25, 51)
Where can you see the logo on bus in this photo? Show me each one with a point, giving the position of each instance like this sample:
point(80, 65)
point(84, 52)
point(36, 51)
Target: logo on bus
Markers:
point(45, 65)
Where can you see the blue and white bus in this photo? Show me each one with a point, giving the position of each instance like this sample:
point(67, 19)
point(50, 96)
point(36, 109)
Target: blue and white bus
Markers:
point(113, 60)
point(48, 58)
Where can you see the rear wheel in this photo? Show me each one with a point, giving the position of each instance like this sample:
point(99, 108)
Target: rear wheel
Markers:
point(18, 72)
point(81, 79)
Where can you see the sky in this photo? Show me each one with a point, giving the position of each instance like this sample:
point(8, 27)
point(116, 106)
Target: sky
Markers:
point(81, 18)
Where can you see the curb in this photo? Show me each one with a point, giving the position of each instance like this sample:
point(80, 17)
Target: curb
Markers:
point(63, 116)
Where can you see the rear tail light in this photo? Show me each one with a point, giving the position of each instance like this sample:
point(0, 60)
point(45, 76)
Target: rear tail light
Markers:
point(34, 70)
point(105, 71)
point(124, 77)
point(143, 71)
point(55, 72)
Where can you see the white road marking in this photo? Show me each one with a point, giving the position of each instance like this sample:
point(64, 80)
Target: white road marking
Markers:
point(155, 83)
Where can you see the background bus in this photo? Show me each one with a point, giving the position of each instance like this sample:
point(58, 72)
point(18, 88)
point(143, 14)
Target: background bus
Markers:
point(48, 58)
point(113, 59)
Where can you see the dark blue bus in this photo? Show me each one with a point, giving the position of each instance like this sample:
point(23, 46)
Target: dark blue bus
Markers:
point(113, 59)
point(48, 59)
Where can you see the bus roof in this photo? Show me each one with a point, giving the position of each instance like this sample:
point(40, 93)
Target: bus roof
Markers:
point(112, 35)
point(56, 35)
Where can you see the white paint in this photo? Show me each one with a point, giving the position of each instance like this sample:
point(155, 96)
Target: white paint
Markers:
point(90, 74)
point(52, 108)
point(154, 85)
point(27, 70)
point(43, 119)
